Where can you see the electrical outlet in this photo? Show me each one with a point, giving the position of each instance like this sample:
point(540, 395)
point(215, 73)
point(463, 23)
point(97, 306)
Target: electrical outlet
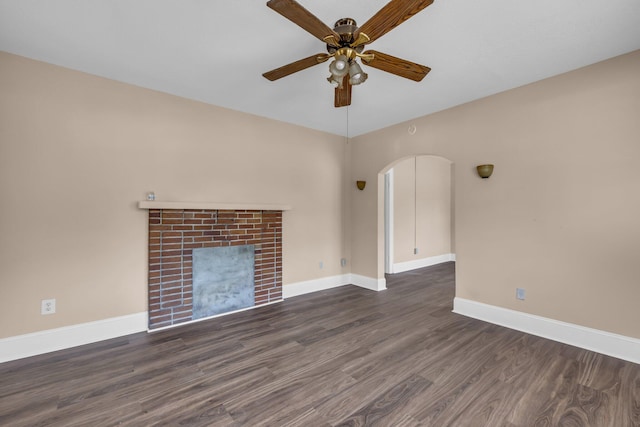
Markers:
point(48, 306)
point(520, 293)
point(321, 265)
point(415, 251)
point(343, 262)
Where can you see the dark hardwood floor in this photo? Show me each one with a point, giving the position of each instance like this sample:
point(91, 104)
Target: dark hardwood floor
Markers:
point(342, 357)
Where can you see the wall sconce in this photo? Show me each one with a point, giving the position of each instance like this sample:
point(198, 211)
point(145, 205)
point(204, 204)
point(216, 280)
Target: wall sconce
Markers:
point(485, 171)
point(361, 185)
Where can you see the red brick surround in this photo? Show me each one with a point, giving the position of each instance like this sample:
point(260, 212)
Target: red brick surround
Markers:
point(174, 233)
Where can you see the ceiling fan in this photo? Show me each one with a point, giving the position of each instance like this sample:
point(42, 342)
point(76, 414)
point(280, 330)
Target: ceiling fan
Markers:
point(346, 42)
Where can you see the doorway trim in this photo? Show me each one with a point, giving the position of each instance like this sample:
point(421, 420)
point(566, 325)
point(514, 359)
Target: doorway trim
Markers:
point(388, 221)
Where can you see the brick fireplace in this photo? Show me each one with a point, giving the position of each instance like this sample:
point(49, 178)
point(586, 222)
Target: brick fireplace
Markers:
point(174, 234)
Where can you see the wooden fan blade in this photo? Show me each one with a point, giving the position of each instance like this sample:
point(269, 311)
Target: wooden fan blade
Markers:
point(397, 66)
point(390, 16)
point(300, 16)
point(343, 95)
point(294, 67)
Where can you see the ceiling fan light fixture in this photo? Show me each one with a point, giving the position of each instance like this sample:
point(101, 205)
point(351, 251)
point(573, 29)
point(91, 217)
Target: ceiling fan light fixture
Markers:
point(340, 66)
point(356, 75)
point(335, 81)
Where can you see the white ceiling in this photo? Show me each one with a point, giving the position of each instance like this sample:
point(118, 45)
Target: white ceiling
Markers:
point(215, 51)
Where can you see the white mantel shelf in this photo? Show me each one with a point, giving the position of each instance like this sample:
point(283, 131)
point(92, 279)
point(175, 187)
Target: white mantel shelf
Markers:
point(146, 204)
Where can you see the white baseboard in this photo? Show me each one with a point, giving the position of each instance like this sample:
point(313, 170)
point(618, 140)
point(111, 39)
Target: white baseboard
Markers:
point(308, 286)
point(401, 267)
point(615, 345)
point(41, 342)
point(369, 282)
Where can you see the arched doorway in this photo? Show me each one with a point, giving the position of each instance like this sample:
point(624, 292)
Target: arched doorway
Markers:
point(417, 213)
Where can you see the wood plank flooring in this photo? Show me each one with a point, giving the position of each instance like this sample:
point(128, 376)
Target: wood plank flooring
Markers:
point(342, 357)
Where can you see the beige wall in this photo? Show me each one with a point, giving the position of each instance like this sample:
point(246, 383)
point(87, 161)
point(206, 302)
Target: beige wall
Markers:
point(560, 216)
point(421, 208)
point(76, 154)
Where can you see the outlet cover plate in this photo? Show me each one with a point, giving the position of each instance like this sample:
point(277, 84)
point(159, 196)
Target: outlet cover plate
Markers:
point(48, 306)
point(520, 293)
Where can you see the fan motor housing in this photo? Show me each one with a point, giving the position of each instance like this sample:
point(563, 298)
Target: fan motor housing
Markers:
point(346, 28)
